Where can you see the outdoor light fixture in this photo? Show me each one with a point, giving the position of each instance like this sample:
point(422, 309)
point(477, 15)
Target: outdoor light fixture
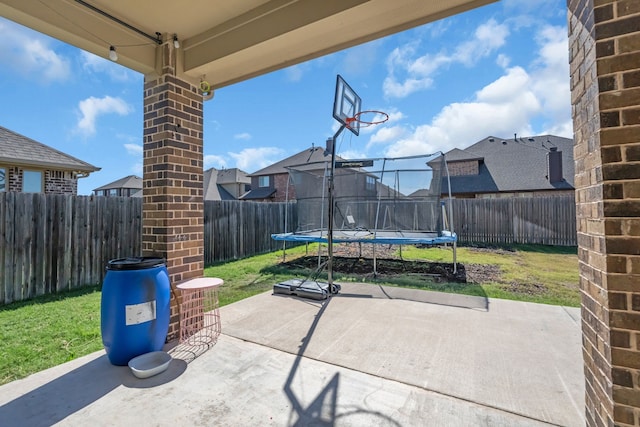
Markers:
point(176, 43)
point(113, 55)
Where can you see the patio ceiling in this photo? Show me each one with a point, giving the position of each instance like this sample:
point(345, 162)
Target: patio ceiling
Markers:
point(225, 41)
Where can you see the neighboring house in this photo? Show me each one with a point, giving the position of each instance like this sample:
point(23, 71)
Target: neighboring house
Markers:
point(28, 166)
point(224, 184)
point(517, 167)
point(129, 186)
point(270, 184)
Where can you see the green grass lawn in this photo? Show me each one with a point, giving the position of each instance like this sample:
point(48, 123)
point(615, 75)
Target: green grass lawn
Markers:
point(547, 275)
point(53, 329)
point(48, 331)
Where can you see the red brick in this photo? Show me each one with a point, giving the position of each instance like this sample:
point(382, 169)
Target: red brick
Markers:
point(623, 414)
point(631, 116)
point(618, 27)
point(627, 7)
point(621, 339)
point(622, 377)
point(629, 43)
point(626, 396)
point(618, 301)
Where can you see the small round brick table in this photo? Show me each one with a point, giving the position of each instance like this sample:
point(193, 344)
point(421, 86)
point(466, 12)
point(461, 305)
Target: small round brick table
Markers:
point(199, 311)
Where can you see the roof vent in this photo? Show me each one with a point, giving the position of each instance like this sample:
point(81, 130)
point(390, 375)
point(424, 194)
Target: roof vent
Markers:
point(491, 139)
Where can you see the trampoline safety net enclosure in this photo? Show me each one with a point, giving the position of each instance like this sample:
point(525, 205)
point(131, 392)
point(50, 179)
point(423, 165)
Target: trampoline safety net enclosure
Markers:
point(383, 200)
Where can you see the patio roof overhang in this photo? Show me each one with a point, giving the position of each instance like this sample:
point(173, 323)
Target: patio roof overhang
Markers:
point(225, 42)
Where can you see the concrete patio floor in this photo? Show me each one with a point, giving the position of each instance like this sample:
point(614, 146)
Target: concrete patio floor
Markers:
point(370, 356)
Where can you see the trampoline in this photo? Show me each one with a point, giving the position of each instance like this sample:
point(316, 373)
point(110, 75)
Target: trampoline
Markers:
point(367, 236)
point(390, 201)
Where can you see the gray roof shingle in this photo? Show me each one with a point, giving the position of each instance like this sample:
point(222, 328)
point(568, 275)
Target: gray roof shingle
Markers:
point(19, 150)
point(258, 193)
point(313, 155)
point(510, 165)
point(130, 181)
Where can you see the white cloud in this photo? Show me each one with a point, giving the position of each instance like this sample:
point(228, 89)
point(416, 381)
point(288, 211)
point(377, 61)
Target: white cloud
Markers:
point(487, 38)
point(503, 90)
point(503, 107)
point(252, 159)
point(244, 136)
point(387, 134)
point(96, 64)
point(352, 154)
point(551, 72)
point(134, 149)
point(395, 89)
point(503, 61)
point(394, 116)
point(417, 72)
point(508, 105)
point(213, 161)
point(93, 107)
point(31, 55)
point(564, 129)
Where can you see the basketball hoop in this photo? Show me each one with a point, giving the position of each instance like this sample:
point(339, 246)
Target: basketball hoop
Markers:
point(368, 118)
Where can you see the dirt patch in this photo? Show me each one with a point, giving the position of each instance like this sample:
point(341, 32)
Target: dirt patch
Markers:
point(482, 273)
point(363, 267)
point(525, 288)
point(357, 260)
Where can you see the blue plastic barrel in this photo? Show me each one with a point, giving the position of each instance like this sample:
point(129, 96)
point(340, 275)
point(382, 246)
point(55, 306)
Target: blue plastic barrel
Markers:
point(134, 313)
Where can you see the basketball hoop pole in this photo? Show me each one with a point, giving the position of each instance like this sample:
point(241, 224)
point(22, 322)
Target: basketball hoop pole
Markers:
point(330, 213)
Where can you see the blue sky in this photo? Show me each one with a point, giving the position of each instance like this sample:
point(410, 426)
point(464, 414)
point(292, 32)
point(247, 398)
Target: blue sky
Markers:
point(497, 70)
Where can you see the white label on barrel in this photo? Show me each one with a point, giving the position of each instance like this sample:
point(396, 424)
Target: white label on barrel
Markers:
point(140, 313)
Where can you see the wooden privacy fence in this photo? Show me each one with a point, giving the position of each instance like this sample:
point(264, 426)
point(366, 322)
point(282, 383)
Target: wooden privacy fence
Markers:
point(235, 229)
point(530, 220)
point(50, 243)
point(56, 242)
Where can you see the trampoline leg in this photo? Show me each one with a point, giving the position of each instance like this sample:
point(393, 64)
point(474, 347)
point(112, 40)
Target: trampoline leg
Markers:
point(455, 261)
point(375, 265)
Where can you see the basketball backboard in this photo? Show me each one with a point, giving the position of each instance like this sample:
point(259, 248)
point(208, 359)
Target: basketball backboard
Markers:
point(346, 105)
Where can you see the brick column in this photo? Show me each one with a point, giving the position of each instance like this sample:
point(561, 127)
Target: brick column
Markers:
point(604, 46)
point(173, 209)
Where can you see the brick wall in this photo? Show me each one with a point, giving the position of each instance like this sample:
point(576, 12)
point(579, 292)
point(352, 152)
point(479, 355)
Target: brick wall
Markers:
point(604, 46)
point(55, 182)
point(463, 168)
point(173, 207)
point(14, 182)
point(280, 183)
point(60, 182)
